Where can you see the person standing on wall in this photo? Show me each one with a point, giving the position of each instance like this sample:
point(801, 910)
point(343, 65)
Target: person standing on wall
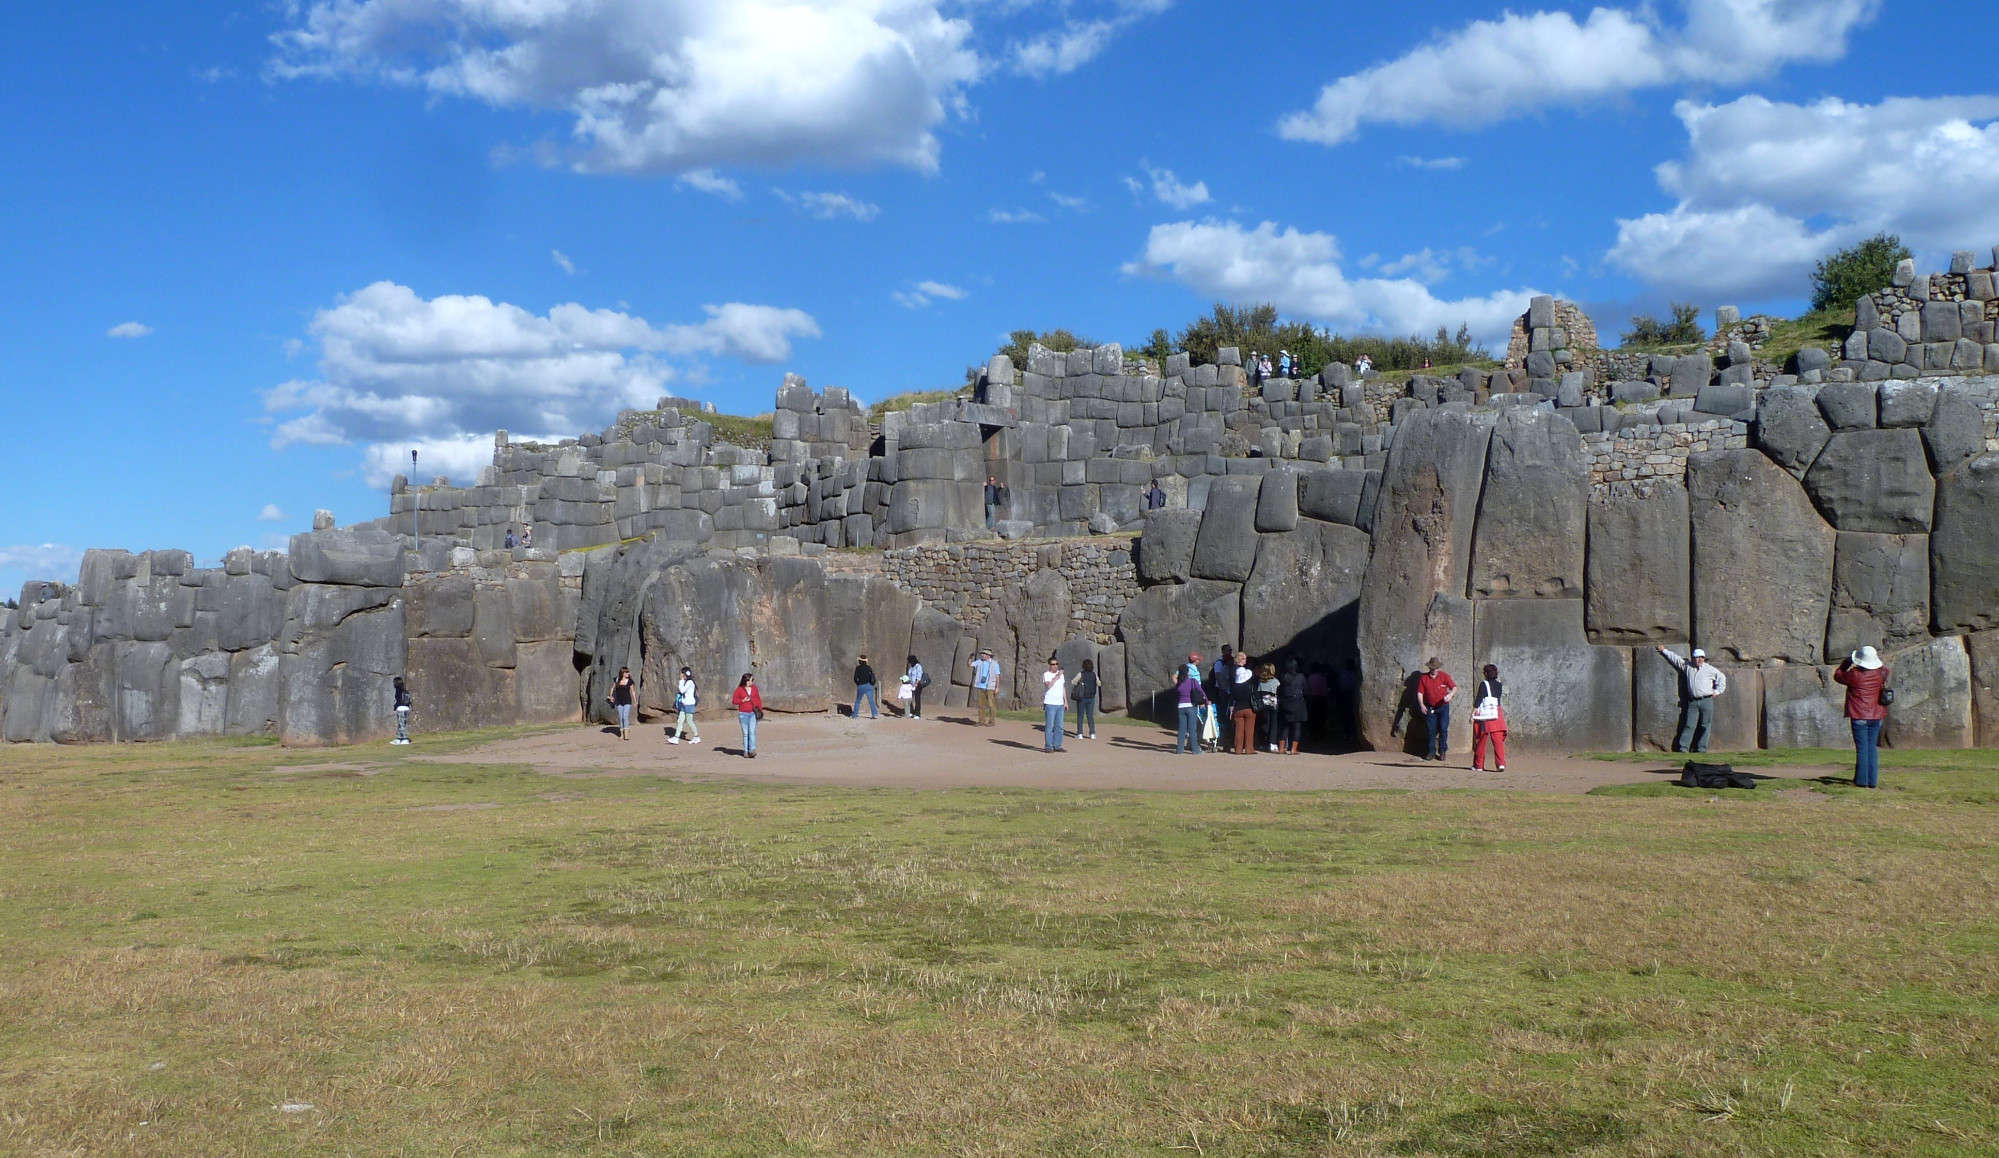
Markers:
point(1155, 499)
point(511, 541)
point(1434, 689)
point(401, 696)
point(985, 687)
point(864, 689)
point(917, 682)
point(621, 699)
point(1488, 722)
point(1054, 702)
point(1083, 690)
point(992, 501)
point(1242, 699)
point(1701, 683)
point(749, 709)
point(685, 701)
point(1867, 698)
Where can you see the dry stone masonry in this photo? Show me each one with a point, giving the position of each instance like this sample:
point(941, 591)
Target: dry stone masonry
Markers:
point(1557, 516)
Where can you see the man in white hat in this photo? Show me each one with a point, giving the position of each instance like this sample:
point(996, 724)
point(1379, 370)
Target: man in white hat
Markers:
point(1700, 683)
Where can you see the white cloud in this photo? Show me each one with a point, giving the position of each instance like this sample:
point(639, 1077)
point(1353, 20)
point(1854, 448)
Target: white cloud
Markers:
point(1443, 163)
point(1491, 70)
point(1300, 274)
point(938, 289)
point(1768, 188)
point(1078, 42)
point(562, 259)
point(458, 457)
point(41, 561)
point(128, 330)
point(668, 85)
point(827, 206)
point(270, 514)
point(395, 367)
point(708, 181)
point(1072, 204)
point(1168, 188)
point(1014, 217)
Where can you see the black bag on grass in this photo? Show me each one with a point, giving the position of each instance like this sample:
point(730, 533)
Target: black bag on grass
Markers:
point(1698, 775)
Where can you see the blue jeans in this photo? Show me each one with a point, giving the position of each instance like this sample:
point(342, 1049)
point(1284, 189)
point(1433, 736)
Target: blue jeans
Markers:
point(1086, 716)
point(1867, 753)
point(1439, 721)
point(624, 717)
point(866, 692)
point(1189, 738)
point(1696, 725)
point(1051, 727)
point(749, 722)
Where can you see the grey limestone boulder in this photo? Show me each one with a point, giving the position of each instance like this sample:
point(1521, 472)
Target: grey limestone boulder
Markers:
point(1874, 480)
point(1956, 430)
point(351, 558)
point(1638, 576)
point(1690, 373)
point(1964, 548)
point(1848, 405)
point(1303, 597)
point(1885, 345)
point(1111, 675)
point(1790, 429)
point(1562, 694)
point(1540, 311)
point(1907, 403)
point(1762, 560)
point(204, 695)
point(1933, 695)
point(1724, 398)
point(545, 683)
point(1166, 549)
point(1225, 549)
point(1165, 623)
point(453, 688)
point(334, 673)
point(253, 692)
point(1277, 501)
point(1025, 628)
point(1332, 496)
point(933, 639)
point(1532, 516)
point(1804, 708)
point(723, 617)
point(1983, 649)
point(1880, 593)
point(867, 614)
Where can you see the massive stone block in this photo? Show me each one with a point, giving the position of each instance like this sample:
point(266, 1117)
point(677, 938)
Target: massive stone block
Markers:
point(1024, 628)
point(545, 684)
point(1656, 690)
point(1531, 517)
point(1166, 622)
point(1562, 694)
point(353, 558)
point(1932, 707)
point(1332, 495)
point(1639, 571)
point(1111, 671)
point(335, 673)
point(1803, 708)
point(1166, 549)
point(1964, 550)
point(492, 625)
point(1303, 597)
point(145, 692)
point(204, 695)
point(253, 692)
point(1225, 548)
point(1790, 429)
point(723, 617)
point(1277, 501)
point(536, 610)
point(453, 688)
point(250, 611)
point(26, 706)
point(1762, 560)
point(1412, 606)
point(1880, 593)
point(1956, 430)
point(80, 704)
point(1983, 651)
point(933, 639)
point(867, 614)
point(1874, 480)
point(1848, 405)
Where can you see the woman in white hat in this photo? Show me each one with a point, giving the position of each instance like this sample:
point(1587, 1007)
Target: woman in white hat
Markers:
point(1866, 680)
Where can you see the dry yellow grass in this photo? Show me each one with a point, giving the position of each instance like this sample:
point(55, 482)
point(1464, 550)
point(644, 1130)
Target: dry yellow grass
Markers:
point(196, 937)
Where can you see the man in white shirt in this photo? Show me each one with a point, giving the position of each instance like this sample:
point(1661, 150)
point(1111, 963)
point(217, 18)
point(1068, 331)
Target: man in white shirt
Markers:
point(1700, 684)
point(1054, 705)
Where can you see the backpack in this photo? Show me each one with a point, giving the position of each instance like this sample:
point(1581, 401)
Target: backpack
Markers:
point(1698, 775)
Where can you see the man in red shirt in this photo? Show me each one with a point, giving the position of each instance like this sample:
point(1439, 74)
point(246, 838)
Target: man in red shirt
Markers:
point(1434, 689)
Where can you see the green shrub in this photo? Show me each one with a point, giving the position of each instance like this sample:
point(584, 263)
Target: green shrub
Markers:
point(1684, 329)
point(1841, 279)
point(1259, 330)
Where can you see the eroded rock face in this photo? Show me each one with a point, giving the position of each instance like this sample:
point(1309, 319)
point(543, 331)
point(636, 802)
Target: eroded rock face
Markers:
point(1532, 514)
point(1024, 629)
point(1932, 707)
point(1639, 572)
point(1880, 593)
point(342, 648)
point(1225, 549)
point(1762, 560)
point(1166, 550)
point(1303, 598)
point(729, 616)
point(1790, 429)
point(1562, 694)
point(1964, 550)
point(1163, 624)
point(1874, 480)
point(1804, 708)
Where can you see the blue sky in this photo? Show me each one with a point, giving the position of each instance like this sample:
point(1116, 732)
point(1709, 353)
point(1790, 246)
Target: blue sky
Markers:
point(255, 251)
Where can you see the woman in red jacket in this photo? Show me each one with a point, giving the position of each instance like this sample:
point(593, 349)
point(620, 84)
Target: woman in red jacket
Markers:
point(1865, 676)
point(749, 709)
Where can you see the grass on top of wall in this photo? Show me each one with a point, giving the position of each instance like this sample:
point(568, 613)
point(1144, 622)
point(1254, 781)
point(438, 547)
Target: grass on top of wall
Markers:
point(240, 949)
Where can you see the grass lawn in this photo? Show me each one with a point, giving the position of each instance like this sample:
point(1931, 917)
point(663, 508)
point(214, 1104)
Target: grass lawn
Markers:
point(199, 940)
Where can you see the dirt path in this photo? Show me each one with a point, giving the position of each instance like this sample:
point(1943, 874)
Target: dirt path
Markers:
point(949, 752)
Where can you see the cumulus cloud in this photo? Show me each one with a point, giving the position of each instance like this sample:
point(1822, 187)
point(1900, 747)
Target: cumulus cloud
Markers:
point(827, 206)
point(1300, 274)
point(668, 85)
point(707, 181)
point(396, 367)
point(925, 292)
point(41, 561)
point(270, 514)
point(1014, 217)
point(1168, 188)
point(459, 457)
point(1071, 203)
point(1078, 42)
point(128, 330)
point(562, 260)
point(1767, 188)
point(1492, 70)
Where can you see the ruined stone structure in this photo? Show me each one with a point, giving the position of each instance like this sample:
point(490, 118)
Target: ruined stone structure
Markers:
point(1544, 518)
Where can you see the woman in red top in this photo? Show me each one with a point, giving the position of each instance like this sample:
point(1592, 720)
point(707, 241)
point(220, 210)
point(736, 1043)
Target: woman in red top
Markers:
point(1865, 676)
point(749, 709)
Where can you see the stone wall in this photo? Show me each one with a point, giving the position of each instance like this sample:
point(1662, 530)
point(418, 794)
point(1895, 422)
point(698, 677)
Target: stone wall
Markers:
point(1648, 453)
point(968, 580)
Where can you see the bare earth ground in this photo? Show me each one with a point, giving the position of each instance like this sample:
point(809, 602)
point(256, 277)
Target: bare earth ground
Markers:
point(949, 751)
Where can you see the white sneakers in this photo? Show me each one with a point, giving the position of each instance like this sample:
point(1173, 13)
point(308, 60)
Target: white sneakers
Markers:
point(673, 739)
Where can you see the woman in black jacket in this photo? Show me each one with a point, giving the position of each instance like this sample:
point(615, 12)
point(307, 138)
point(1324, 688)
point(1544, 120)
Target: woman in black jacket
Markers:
point(1083, 689)
point(1291, 709)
